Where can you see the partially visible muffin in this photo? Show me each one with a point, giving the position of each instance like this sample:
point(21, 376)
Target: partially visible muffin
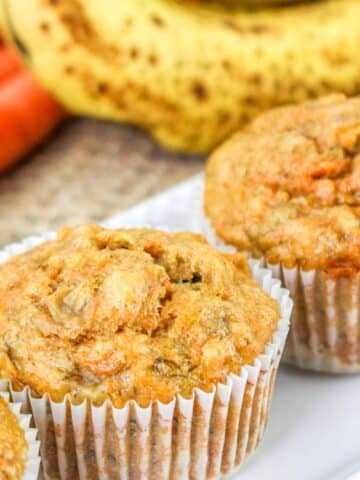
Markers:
point(287, 189)
point(129, 314)
point(13, 445)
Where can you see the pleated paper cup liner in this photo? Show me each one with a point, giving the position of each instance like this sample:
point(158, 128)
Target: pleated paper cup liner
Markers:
point(33, 461)
point(325, 326)
point(206, 436)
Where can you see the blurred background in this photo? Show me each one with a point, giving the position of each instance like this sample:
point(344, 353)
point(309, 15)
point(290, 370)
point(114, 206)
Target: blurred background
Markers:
point(104, 103)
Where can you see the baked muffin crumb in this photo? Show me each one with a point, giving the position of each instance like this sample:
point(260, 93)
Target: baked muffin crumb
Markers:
point(287, 188)
point(129, 314)
point(13, 446)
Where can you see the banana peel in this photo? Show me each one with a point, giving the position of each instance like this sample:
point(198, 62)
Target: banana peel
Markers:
point(189, 72)
point(250, 3)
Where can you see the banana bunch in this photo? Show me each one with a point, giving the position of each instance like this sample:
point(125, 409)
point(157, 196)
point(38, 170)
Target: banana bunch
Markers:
point(189, 71)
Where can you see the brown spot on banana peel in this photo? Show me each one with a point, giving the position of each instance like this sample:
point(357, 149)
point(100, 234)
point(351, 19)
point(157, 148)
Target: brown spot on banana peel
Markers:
point(122, 97)
point(69, 69)
point(82, 30)
point(45, 27)
point(199, 91)
point(158, 21)
point(134, 52)
point(233, 25)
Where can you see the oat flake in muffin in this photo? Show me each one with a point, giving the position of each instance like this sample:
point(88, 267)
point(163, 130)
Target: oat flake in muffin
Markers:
point(13, 445)
point(288, 187)
point(128, 314)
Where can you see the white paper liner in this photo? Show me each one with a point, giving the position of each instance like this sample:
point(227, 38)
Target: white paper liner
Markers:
point(33, 462)
point(325, 324)
point(325, 328)
point(205, 437)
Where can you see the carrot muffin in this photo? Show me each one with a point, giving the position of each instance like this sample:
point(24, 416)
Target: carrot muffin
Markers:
point(287, 189)
point(129, 314)
point(13, 445)
point(134, 314)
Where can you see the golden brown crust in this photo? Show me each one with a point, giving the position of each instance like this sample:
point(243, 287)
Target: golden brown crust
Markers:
point(288, 187)
point(128, 314)
point(13, 446)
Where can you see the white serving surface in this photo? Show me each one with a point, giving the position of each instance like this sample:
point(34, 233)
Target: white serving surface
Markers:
point(314, 427)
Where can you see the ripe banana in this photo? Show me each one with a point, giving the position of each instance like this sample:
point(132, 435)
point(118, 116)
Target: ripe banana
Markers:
point(190, 72)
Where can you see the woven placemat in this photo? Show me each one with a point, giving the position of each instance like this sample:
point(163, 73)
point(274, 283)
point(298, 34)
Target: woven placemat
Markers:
point(88, 170)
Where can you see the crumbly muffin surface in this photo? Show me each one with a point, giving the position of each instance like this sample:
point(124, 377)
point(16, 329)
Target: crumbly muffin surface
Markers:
point(288, 187)
point(13, 446)
point(128, 314)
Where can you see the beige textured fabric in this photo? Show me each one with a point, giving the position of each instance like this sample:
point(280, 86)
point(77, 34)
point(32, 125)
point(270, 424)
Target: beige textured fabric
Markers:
point(88, 171)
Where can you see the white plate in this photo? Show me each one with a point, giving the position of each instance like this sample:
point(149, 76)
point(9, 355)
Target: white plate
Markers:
point(314, 427)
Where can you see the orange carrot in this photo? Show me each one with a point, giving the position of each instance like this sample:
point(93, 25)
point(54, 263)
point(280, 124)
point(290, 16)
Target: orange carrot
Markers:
point(9, 63)
point(27, 114)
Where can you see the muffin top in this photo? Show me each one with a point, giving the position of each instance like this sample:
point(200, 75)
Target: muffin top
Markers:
point(13, 446)
point(129, 314)
point(288, 187)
